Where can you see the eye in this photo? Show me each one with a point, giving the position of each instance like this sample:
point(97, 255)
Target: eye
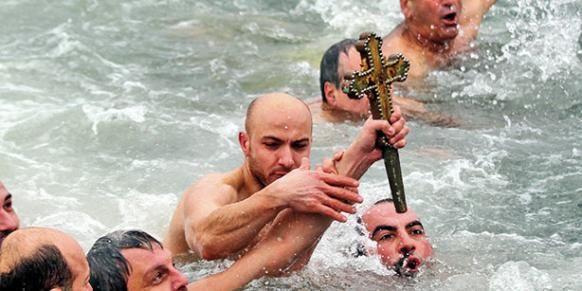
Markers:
point(300, 146)
point(271, 145)
point(159, 277)
point(417, 231)
point(387, 236)
point(8, 205)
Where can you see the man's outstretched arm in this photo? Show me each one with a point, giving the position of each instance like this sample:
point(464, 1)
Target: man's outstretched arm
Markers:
point(216, 228)
point(294, 235)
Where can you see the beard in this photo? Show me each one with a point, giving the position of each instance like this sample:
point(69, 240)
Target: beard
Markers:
point(261, 177)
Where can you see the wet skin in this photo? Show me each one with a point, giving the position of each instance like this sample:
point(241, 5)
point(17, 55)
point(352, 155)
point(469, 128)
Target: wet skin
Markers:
point(400, 238)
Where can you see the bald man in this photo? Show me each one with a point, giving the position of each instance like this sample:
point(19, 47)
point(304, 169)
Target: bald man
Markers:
point(33, 259)
point(225, 214)
point(435, 31)
point(9, 221)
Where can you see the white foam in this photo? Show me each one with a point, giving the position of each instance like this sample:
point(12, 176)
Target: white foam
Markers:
point(97, 114)
point(519, 276)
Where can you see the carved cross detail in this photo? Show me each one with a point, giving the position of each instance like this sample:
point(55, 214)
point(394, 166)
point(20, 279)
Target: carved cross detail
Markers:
point(377, 75)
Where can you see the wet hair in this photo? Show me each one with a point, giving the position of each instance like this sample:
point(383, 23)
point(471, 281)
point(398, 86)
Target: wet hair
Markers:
point(385, 200)
point(359, 248)
point(109, 268)
point(46, 269)
point(329, 66)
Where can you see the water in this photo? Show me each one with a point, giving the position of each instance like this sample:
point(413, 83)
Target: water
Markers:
point(110, 109)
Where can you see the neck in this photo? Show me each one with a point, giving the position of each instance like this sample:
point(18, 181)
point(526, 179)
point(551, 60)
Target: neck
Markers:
point(250, 184)
point(425, 44)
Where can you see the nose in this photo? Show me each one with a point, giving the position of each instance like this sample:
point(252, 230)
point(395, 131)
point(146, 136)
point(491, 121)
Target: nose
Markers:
point(179, 281)
point(406, 245)
point(286, 157)
point(8, 221)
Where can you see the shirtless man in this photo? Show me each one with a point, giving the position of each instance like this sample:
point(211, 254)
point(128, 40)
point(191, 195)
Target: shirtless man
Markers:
point(343, 59)
point(8, 219)
point(401, 242)
point(224, 214)
point(34, 259)
point(434, 31)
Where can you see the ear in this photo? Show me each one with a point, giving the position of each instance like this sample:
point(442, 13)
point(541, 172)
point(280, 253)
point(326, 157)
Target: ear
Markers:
point(329, 90)
point(243, 140)
point(406, 7)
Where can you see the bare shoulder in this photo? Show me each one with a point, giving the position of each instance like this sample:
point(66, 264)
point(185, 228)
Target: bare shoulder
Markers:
point(474, 10)
point(217, 187)
point(392, 43)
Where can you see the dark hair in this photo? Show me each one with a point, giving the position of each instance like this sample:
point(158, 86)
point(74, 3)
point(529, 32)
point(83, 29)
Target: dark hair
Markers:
point(359, 248)
point(46, 269)
point(385, 200)
point(109, 268)
point(328, 68)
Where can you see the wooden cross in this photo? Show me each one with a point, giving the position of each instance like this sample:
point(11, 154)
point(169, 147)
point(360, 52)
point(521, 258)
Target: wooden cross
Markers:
point(374, 81)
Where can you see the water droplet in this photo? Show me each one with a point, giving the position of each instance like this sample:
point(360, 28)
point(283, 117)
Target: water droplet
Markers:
point(432, 27)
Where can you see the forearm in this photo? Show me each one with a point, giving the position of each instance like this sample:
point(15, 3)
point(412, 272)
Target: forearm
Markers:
point(352, 164)
point(290, 244)
point(233, 227)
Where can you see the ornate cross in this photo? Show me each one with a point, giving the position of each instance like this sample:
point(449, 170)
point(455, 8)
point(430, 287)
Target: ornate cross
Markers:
point(374, 81)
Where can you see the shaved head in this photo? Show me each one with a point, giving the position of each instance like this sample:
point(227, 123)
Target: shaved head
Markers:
point(280, 102)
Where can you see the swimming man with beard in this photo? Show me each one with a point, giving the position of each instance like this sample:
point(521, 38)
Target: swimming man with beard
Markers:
point(274, 191)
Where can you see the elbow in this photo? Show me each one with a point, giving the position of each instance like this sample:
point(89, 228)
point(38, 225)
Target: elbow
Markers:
point(209, 253)
point(210, 250)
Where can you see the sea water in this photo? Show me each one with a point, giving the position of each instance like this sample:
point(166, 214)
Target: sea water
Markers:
point(110, 109)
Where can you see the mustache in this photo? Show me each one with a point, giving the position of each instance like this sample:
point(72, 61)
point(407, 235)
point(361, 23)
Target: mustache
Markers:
point(405, 264)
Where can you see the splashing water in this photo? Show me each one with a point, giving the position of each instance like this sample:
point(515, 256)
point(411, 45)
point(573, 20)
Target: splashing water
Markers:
point(110, 109)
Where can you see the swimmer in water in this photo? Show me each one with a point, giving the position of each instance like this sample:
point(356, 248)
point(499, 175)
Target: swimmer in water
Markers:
point(401, 242)
point(342, 59)
point(9, 221)
point(435, 31)
point(273, 194)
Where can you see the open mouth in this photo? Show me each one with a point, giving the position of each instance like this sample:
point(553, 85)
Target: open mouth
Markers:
point(450, 18)
point(408, 266)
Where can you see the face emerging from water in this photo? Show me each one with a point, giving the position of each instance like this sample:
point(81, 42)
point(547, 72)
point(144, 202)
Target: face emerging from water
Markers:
point(8, 219)
point(400, 238)
point(435, 20)
point(279, 137)
point(153, 270)
point(347, 64)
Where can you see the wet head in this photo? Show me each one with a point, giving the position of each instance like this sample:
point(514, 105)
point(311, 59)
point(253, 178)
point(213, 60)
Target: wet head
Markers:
point(153, 270)
point(433, 20)
point(9, 221)
point(401, 242)
point(278, 135)
point(28, 243)
point(348, 62)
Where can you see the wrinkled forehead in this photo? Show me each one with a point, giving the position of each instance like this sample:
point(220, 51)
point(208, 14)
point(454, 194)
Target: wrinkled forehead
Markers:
point(385, 214)
point(142, 260)
point(349, 61)
point(282, 121)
